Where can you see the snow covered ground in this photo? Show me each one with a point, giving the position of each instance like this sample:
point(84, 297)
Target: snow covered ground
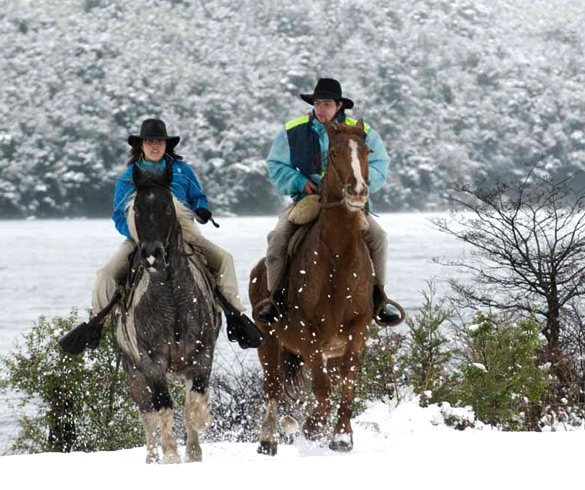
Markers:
point(48, 267)
point(404, 447)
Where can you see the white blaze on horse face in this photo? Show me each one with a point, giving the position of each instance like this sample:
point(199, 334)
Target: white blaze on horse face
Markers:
point(357, 169)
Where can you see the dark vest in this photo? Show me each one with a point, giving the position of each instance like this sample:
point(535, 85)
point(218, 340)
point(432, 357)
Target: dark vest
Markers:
point(305, 149)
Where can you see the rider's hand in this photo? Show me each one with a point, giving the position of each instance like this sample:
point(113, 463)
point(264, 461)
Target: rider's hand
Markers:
point(203, 215)
point(310, 188)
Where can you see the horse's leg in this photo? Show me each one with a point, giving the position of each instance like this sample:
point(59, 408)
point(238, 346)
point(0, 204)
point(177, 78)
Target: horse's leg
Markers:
point(150, 424)
point(322, 389)
point(140, 393)
point(350, 364)
point(269, 355)
point(169, 442)
point(196, 415)
point(163, 404)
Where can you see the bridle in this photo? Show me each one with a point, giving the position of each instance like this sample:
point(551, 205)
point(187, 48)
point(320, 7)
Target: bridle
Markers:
point(171, 229)
point(344, 185)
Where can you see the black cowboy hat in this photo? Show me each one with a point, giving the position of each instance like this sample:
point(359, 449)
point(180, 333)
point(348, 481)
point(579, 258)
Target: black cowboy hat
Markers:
point(153, 129)
point(327, 88)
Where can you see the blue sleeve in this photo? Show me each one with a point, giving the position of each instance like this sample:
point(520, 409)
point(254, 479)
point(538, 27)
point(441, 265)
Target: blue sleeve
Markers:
point(286, 179)
point(124, 190)
point(196, 198)
point(378, 161)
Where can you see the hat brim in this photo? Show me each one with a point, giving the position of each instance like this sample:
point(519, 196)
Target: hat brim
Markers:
point(172, 141)
point(310, 99)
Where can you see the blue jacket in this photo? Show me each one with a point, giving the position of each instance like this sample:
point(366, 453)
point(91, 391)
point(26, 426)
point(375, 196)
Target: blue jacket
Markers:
point(184, 187)
point(288, 180)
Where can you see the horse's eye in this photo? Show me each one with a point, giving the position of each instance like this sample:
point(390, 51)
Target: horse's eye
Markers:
point(333, 153)
point(169, 210)
point(135, 209)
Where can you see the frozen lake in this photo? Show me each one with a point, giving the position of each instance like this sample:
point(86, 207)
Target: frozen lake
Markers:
point(48, 267)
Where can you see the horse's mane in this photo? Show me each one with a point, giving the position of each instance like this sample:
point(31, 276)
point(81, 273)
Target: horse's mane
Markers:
point(185, 216)
point(349, 129)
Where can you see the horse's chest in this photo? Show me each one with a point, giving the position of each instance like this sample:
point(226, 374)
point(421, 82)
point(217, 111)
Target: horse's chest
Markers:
point(163, 300)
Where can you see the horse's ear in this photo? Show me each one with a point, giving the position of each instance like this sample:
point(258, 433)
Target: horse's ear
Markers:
point(360, 125)
point(168, 174)
point(331, 127)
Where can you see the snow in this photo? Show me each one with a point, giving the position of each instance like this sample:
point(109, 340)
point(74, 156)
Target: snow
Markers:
point(480, 366)
point(394, 447)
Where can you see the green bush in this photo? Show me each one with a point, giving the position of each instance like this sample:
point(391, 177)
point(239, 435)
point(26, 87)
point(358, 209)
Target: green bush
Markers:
point(427, 358)
point(77, 403)
point(380, 372)
point(499, 377)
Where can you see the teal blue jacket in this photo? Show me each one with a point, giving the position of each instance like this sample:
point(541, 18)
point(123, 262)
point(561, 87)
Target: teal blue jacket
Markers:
point(185, 187)
point(288, 180)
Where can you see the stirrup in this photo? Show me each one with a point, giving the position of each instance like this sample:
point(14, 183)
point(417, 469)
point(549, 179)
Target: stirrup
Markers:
point(387, 301)
point(259, 306)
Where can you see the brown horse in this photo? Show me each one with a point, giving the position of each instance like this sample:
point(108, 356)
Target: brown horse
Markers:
point(328, 299)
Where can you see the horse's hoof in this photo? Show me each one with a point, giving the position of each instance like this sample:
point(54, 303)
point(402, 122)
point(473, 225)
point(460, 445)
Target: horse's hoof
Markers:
point(172, 458)
point(268, 448)
point(342, 443)
point(194, 457)
point(152, 459)
point(314, 435)
point(289, 425)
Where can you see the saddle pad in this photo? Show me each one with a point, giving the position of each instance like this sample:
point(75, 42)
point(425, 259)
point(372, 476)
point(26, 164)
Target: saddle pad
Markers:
point(298, 238)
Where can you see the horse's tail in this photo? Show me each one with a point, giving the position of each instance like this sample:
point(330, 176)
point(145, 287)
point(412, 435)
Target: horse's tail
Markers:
point(294, 382)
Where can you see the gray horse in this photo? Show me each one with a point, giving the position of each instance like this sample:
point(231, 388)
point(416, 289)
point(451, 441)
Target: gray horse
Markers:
point(167, 324)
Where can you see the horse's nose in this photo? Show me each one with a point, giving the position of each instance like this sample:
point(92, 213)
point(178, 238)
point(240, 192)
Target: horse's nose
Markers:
point(153, 253)
point(363, 193)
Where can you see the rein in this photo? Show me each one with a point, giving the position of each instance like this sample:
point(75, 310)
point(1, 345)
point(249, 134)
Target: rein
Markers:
point(341, 201)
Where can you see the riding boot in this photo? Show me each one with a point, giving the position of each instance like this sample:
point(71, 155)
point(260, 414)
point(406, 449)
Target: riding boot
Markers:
point(86, 335)
point(383, 313)
point(239, 327)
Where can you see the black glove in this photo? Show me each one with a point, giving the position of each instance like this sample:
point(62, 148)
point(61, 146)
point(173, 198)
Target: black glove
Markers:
point(203, 215)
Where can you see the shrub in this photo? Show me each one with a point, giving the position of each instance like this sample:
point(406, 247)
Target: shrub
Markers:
point(499, 377)
point(380, 371)
point(77, 403)
point(427, 357)
point(237, 403)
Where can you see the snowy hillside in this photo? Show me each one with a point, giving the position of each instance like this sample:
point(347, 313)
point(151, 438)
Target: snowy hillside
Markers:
point(458, 89)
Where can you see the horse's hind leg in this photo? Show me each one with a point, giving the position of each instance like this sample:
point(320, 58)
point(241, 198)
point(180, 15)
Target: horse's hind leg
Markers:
point(196, 415)
point(269, 432)
point(269, 354)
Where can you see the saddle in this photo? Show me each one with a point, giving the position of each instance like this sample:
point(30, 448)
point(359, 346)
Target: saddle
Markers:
point(304, 214)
